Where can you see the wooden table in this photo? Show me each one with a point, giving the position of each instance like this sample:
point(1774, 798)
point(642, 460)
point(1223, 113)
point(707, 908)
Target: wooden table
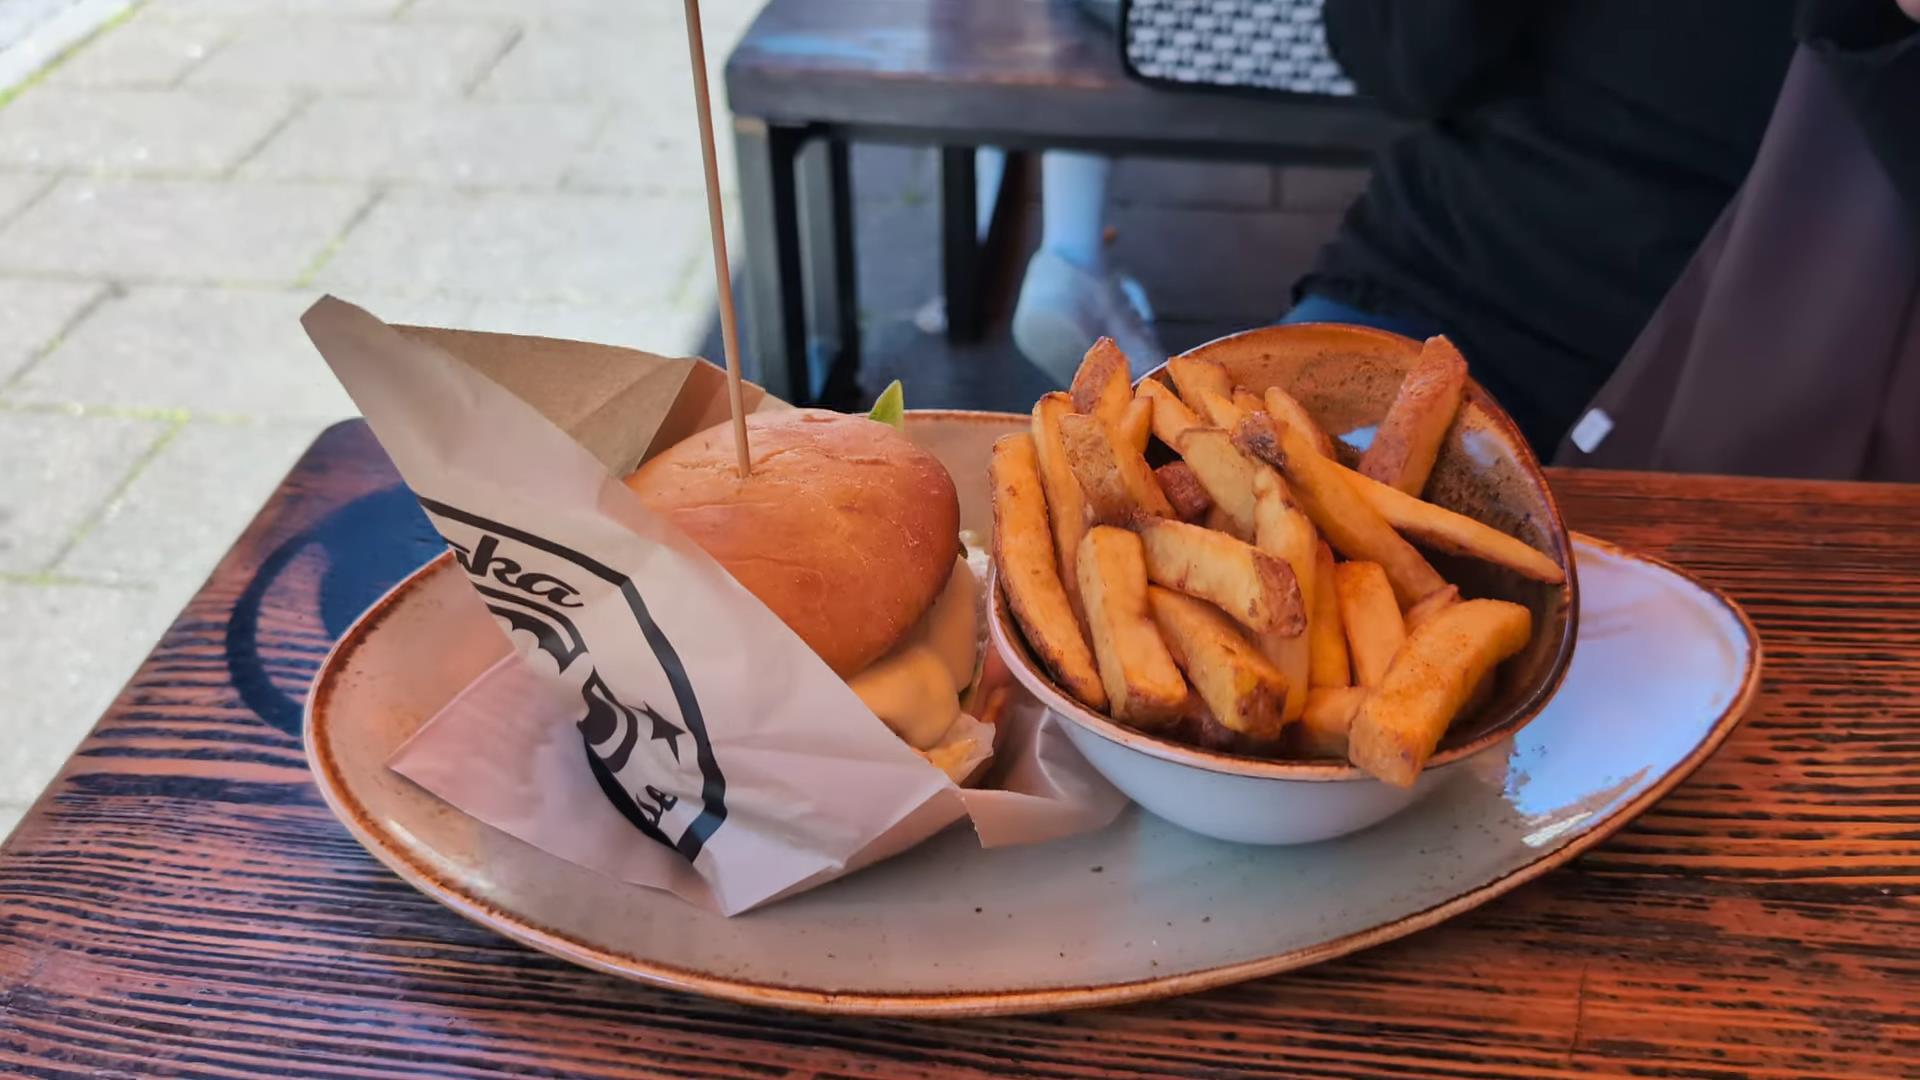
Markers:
point(179, 903)
point(811, 76)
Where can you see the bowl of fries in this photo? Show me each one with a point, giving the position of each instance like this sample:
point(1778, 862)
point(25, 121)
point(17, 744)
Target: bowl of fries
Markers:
point(1282, 586)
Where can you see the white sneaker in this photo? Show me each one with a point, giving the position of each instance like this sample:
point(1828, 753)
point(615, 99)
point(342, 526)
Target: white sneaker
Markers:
point(1064, 309)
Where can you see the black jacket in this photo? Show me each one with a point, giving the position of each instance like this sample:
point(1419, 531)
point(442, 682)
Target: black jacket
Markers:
point(1572, 155)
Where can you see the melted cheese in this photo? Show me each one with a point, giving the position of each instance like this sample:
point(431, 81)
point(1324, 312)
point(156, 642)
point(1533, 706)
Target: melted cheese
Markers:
point(915, 689)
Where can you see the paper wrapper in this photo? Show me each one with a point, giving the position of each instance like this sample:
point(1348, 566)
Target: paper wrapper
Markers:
point(654, 722)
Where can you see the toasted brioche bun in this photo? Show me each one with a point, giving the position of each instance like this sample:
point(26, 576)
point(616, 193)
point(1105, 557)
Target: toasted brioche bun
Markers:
point(846, 530)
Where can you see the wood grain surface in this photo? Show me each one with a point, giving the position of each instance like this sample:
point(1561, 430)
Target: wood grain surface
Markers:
point(181, 904)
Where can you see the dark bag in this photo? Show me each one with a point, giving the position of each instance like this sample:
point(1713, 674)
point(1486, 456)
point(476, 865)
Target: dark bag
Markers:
point(1790, 346)
point(1276, 46)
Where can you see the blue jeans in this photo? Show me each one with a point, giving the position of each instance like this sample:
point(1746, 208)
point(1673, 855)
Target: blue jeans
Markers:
point(1316, 308)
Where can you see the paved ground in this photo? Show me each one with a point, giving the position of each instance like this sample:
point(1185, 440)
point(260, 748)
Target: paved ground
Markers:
point(176, 189)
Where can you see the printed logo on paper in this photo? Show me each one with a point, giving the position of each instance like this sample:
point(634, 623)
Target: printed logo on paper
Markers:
point(651, 757)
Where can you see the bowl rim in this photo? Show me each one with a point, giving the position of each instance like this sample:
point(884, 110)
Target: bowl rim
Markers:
point(1009, 641)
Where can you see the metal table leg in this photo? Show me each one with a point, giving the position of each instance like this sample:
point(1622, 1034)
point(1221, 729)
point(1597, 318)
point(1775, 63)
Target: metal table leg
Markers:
point(960, 244)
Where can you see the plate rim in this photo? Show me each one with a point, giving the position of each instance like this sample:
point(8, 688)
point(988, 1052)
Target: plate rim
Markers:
point(524, 929)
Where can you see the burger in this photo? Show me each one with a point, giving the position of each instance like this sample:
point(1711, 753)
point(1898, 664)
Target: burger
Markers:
point(849, 533)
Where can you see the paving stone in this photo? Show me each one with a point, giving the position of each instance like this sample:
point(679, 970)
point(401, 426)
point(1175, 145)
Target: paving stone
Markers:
point(634, 154)
point(584, 62)
point(443, 142)
point(232, 352)
point(178, 230)
point(143, 52)
point(1319, 187)
point(168, 131)
point(10, 815)
point(32, 314)
point(17, 190)
point(224, 472)
point(670, 330)
point(881, 173)
point(18, 18)
point(576, 248)
point(356, 57)
point(61, 470)
point(198, 9)
point(69, 649)
point(1167, 182)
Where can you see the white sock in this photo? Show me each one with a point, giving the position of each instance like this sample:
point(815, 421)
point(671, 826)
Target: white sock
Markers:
point(1073, 206)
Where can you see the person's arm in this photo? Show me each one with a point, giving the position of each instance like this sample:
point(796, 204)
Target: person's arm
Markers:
point(1872, 48)
point(1423, 58)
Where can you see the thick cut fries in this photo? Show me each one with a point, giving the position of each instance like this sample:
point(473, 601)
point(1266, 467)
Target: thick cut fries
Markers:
point(1282, 406)
point(1066, 503)
point(1171, 416)
point(1349, 523)
point(1247, 583)
point(1372, 619)
point(1281, 529)
point(1401, 721)
point(1218, 410)
point(1241, 688)
point(1192, 374)
point(1023, 551)
point(1139, 674)
point(1246, 400)
point(1325, 630)
point(1119, 486)
point(1457, 534)
point(1103, 385)
point(1407, 442)
point(1225, 472)
point(1136, 424)
point(1323, 727)
point(1184, 490)
point(1439, 601)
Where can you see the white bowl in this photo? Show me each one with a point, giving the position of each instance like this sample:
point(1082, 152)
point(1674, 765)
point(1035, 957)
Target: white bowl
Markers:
point(1347, 377)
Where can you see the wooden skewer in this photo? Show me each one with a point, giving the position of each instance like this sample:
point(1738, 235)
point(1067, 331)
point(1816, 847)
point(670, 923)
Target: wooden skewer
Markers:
point(722, 278)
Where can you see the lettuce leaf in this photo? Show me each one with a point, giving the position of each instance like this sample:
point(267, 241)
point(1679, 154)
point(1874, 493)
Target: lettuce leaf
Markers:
point(891, 406)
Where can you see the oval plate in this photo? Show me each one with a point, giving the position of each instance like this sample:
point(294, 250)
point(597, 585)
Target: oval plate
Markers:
point(1664, 669)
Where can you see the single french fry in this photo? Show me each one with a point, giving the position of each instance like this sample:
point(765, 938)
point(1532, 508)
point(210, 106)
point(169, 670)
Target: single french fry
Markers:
point(1218, 410)
point(1283, 406)
point(1171, 416)
point(1254, 587)
point(1066, 503)
point(1372, 619)
point(1028, 571)
point(1225, 472)
point(1281, 529)
point(1323, 727)
point(1350, 523)
point(1192, 374)
point(1102, 386)
point(1329, 665)
point(1402, 720)
point(1184, 490)
point(1439, 601)
point(1119, 486)
point(1407, 442)
point(1141, 679)
point(1246, 400)
point(1241, 688)
point(1457, 534)
point(1136, 424)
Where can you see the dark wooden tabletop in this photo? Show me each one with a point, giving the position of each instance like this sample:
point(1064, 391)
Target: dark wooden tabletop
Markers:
point(180, 903)
point(1010, 73)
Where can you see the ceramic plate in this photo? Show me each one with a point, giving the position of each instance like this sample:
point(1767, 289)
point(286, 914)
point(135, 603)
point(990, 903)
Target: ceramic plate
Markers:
point(1663, 671)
